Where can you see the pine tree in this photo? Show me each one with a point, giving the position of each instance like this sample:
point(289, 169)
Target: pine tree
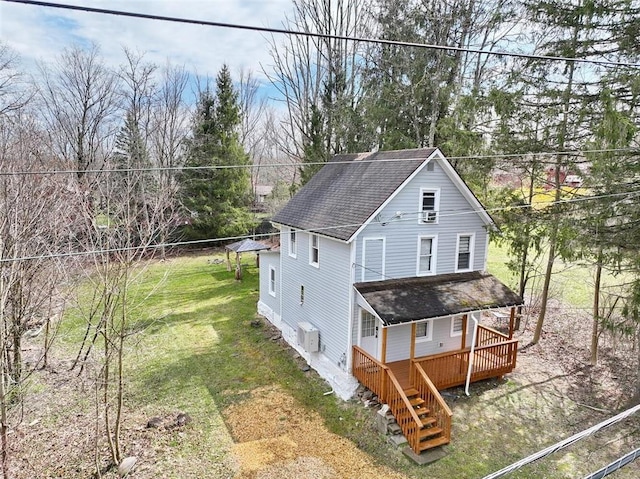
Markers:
point(218, 195)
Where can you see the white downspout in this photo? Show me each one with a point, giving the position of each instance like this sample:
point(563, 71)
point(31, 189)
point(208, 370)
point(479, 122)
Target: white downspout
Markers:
point(473, 348)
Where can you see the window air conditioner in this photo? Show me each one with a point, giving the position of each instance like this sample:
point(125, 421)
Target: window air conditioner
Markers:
point(308, 337)
point(429, 216)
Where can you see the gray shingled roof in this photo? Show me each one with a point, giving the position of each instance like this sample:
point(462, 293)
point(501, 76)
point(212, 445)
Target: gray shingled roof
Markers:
point(348, 190)
point(247, 245)
point(398, 301)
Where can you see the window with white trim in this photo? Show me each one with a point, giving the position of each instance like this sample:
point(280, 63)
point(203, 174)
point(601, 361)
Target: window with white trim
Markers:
point(464, 252)
point(293, 249)
point(272, 281)
point(314, 250)
point(429, 205)
point(457, 324)
point(368, 324)
point(426, 255)
point(424, 331)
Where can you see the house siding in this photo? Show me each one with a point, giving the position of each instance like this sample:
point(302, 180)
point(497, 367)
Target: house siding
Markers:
point(455, 216)
point(399, 340)
point(327, 292)
point(268, 260)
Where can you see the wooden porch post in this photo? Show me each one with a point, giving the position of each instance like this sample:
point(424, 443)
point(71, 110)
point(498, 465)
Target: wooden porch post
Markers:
point(465, 319)
point(412, 352)
point(383, 352)
point(511, 321)
point(228, 260)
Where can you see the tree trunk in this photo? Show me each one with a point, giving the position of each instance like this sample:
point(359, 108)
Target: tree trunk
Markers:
point(596, 311)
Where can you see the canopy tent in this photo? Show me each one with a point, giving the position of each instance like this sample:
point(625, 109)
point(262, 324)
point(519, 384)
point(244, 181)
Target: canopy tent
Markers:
point(241, 247)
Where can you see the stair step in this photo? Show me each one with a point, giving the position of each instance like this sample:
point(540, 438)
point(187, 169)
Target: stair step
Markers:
point(429, 432)
point(411, 392)
point(431, 443)
point(416, 402)
point(427, 420)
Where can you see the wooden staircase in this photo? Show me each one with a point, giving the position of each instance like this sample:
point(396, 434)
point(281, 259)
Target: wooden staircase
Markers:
point(430, 435)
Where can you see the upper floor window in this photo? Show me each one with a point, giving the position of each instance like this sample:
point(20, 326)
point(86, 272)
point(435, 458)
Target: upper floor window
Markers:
point(429, 205)
point(272, 281)
point(314, 250)
point(426, 255)
point(464, 252)
point(424, 331)
point(292, 243)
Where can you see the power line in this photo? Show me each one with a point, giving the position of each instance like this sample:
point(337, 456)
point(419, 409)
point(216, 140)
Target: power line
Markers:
point(563, 444)
point(285, 31)
point(510, 156)
point(311, 230)
point(614, 466)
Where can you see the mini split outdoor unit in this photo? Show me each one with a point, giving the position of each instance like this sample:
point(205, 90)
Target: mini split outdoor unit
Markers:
point(308, 337)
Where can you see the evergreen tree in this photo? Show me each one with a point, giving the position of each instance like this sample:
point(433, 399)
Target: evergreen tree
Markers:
point(218, 195)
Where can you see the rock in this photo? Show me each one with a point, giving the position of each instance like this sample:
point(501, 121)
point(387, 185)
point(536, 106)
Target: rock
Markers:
point(305, 368)
point(126, 465)
point(154, 423)
point(367, 395)
point(183, 419)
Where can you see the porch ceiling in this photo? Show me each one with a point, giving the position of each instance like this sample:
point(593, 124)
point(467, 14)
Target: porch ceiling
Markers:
point(404, 300)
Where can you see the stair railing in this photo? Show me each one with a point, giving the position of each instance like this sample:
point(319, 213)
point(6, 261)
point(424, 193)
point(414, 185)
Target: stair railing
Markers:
point(433, 400)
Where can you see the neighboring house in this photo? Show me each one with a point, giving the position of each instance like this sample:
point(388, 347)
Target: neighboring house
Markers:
point(380, 279)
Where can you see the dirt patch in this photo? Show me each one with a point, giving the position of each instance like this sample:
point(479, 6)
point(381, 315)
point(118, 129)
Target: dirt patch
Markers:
point(276, 438)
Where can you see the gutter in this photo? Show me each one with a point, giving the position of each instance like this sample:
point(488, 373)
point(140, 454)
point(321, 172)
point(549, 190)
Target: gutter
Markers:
point(473, 348)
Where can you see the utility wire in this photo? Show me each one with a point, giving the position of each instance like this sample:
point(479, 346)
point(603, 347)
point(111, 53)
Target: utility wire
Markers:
point(563, 444)
point(511, 156)
point(285, 31)
point(311, 230)
point(614, 466)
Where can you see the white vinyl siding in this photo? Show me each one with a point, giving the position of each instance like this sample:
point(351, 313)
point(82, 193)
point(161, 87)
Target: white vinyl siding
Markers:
point(327, 290)
point(373, 259)
point(464, 252)
point(401, 238)
point(269, 264)
point(427, 246)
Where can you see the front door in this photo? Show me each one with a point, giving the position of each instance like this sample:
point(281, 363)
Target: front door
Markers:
point(368, 333)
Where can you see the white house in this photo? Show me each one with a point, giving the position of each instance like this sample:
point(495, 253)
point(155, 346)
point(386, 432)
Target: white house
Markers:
point(381, 276)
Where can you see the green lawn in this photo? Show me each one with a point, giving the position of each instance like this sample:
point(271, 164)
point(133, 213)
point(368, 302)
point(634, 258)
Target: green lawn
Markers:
point(197, 351)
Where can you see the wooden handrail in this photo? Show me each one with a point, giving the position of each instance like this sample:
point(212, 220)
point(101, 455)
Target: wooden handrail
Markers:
point(434, 390)
point(404, 397)
point(493, 331)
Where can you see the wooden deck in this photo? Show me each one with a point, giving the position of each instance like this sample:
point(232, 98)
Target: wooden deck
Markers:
point(410, 387)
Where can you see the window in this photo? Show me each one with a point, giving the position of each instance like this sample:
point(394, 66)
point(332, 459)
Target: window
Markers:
point(314, 250)
point(423, 331)
point(465, 253)
point(368, 326)
point(272, 281)
point(429, 205)
point(302, 294)
point(457, 323)
point(426, 255)
point(292, 243)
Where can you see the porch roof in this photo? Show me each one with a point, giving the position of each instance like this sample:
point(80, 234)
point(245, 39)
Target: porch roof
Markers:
point(404, 300)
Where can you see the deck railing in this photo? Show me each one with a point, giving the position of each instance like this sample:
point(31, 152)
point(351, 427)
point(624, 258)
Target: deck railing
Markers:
point(433, 400)
point(381, 380)
point(487, 336)
point(450, 369)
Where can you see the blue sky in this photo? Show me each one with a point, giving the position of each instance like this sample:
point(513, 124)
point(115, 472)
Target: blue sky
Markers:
point(40, 33)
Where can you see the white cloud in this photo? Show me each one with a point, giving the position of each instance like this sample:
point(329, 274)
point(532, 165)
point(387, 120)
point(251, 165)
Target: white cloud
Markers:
point(40, 33)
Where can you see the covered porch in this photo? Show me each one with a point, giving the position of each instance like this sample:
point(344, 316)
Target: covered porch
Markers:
point(406, 370)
